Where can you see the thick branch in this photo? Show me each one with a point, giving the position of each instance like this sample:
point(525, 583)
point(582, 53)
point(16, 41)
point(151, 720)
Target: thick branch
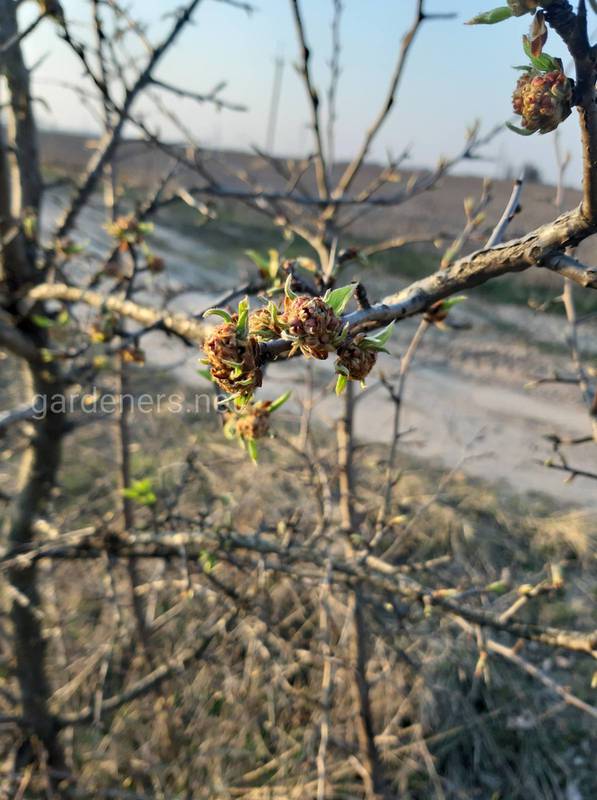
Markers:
point(180, 324)
point(535, 249)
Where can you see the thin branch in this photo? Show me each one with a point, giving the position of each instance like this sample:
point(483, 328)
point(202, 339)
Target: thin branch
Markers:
point(305, 71)
point(512, 208)
point(353, 168)
point(333, 86)
point(211, 97)
point(22, 413)
point(111, 139)
point(570, 699)
point(174, 666)
point(21, 35)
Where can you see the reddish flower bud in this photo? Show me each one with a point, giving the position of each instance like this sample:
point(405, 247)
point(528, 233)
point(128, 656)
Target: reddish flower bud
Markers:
point(312, 325)
point(233, 360)
point(354, 362)
point(264, 324)
point(252, 422)
point(543, 100)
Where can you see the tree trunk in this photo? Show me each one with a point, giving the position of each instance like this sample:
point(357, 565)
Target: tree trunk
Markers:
point(20, 197)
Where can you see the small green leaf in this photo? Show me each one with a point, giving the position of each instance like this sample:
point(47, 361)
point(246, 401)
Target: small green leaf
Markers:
point(519, 131)
point(43, 322)
point(379, 340)
point(341, 382)
point(343, 335)
point(288, 290)
point(273, 310)
point(252, 449)
point(75, 248)
point(205, 373)
point(218, 312)
point(338, 299)
point(279, 401)
point(30, 226)
point(260, 261)
point(207, 560)
point(497, 587)
point(242, 326)
point(491, 17)
point(274, 263)
point(544, 62)
point(453, 301)
point(141, 492)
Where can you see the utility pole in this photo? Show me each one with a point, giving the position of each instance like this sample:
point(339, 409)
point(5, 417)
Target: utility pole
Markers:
point(274, 105)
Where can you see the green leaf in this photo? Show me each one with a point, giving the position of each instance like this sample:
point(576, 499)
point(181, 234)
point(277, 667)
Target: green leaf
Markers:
point(279, 401)
point(141, 492)
point(252, 449)
point(343, 335)
point(242, 326)
point(230, 429)
point(338, 299)
point(519, 131)
point(205, 373)
point(273, 310)
point(491, 17)
point(47, 322)
point(497, 587)
point(43, 322)
point(341, 382)
point(379, 340)
point(260, 261)
point(544, 62)
point(274, 263)
point(453, 301)
point(287, 288)
point(218, 312)
point(207, 560)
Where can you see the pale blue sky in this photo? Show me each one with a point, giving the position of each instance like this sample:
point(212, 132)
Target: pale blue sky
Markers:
point(455, 74)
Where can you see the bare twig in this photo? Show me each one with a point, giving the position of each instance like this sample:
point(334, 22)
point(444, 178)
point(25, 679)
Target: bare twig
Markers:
point(305, 71)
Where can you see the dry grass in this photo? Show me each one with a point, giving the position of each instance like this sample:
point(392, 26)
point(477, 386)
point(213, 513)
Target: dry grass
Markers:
point(243, 721)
